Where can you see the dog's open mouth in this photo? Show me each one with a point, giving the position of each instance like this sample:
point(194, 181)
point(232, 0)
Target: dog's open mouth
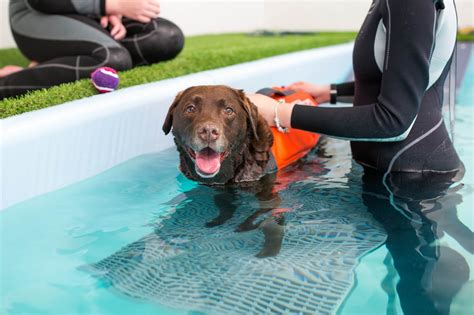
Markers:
point(207, 161)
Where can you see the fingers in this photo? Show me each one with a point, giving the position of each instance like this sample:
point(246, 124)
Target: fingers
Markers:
point(118, 30)
point(104, 21)
point(121, 33)
point(302, 102)
point(143, 19)
point(154, 5)
point(298, 85)
point(151, 13)
point(114, 31)
point(152, 9)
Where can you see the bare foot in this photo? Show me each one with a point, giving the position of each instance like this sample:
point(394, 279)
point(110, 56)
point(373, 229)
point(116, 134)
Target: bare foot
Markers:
point(33, 64)
point(7, 70)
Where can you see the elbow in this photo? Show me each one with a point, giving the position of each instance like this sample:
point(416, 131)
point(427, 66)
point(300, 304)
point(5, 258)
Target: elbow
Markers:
point(395, 123)
point(400, 131)
point(399, 136)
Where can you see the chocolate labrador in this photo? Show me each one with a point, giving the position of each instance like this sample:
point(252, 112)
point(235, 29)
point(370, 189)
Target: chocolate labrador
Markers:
point(220, 136)
point(222, 141)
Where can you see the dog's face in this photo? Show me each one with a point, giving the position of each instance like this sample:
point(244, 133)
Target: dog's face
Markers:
point(214, 127)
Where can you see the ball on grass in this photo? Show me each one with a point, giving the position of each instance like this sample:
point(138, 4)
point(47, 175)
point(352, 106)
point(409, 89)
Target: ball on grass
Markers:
point(105, 79)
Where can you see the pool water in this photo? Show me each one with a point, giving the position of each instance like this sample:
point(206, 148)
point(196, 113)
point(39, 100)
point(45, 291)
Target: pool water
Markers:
point(133, 240)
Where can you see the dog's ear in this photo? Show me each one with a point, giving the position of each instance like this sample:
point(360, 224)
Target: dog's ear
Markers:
point(262, 140)
point(169, 118)
point(251, 110)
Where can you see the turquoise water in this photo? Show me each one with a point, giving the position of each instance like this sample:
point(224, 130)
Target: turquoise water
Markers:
point(133, 240)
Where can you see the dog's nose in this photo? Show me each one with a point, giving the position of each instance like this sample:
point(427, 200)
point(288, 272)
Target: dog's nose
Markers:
point(209, 133)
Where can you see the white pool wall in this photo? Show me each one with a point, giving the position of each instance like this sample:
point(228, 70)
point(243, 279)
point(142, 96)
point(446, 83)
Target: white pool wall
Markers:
point(45, 150)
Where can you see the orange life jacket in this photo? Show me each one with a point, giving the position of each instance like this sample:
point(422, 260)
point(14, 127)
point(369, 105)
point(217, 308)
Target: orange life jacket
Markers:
point(289, 147)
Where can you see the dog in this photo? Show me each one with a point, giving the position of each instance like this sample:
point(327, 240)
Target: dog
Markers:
point(223, 142)
point(220, 136)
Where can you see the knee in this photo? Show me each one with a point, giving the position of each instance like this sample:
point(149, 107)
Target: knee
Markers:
point(165, 43)
point(44, 6)
point(118, 58)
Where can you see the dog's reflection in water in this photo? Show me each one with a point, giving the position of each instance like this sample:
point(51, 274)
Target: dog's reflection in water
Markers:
point(195, 259)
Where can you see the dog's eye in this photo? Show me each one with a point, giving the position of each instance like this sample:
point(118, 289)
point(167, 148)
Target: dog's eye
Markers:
point(190, 108)
point(229, 110)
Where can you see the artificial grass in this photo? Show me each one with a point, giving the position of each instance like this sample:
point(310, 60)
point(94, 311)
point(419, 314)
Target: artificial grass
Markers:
point(466, 37)
point(12, 56)
point(200, 53)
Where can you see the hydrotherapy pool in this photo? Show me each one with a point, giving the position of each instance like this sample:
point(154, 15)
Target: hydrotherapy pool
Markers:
point(133, 240)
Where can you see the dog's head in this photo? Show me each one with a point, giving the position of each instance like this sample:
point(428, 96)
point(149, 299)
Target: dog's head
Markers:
point(220, 136)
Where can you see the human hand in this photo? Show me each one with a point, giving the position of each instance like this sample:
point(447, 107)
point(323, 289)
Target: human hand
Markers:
point(117, 29)
point(266, 107)
point(302, 102)
point(321, 93)
point(139, 10)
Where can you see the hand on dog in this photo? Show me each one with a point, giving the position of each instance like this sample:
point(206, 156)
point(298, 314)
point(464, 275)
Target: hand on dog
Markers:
point(266, 107)
point(301, 102)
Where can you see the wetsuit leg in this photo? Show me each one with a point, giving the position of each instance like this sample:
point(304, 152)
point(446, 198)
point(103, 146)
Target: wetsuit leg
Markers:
point(152, 42)
point(420, 211)
point(67, 47)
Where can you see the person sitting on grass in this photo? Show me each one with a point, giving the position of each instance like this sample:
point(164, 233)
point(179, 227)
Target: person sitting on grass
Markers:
point(68, 39)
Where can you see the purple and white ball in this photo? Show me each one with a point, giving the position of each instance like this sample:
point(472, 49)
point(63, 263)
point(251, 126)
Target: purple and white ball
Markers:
point(105, 79)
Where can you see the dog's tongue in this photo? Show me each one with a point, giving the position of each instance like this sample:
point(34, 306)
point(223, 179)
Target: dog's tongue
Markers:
point(208, 161)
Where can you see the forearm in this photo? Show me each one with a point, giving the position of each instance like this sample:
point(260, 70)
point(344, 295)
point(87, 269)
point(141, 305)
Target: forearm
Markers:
point(361, 123)
point(84, 7)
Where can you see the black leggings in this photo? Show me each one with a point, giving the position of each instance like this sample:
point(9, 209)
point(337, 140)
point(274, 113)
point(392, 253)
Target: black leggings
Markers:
point(69, 47)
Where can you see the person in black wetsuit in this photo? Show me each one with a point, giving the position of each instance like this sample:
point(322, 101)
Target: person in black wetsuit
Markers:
point(67, 40)
point(401, 58)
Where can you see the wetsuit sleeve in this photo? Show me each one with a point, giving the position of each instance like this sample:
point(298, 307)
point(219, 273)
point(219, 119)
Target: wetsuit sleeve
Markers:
point(410, 33)
point(84, 7)
point(345, 89)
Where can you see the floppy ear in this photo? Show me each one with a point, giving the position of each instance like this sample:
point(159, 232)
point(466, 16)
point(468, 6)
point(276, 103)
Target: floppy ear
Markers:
point(262, 139)
point(169, 118)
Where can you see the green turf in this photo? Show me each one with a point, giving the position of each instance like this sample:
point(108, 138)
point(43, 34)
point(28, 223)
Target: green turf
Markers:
point(466, 37)
point(200, 53)
point(12, 56)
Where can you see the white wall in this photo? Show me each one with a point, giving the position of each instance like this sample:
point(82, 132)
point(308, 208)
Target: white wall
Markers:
point(6, 39)
point(218, 16)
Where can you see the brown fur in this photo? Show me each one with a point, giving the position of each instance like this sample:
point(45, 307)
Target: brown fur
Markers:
point(247, 135)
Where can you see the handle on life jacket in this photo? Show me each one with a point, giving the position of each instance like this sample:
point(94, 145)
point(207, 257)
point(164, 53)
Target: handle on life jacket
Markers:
point(274, 92)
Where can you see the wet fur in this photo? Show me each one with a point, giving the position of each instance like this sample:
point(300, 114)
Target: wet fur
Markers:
point(250, 140)
point(251, 144)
